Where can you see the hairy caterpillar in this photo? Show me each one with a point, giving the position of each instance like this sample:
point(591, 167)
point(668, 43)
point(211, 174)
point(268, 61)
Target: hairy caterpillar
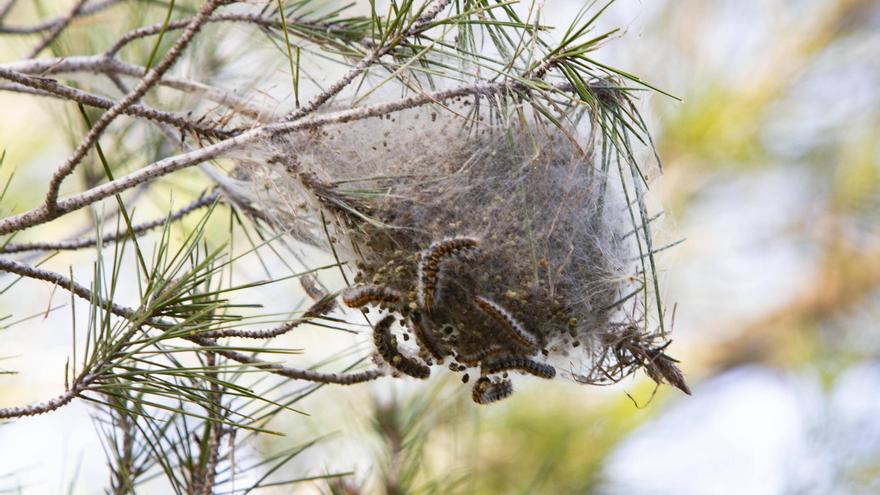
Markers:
point(477, 357)
point(426, 338)
point(508, 323)
point(387, 348)
point(429, 264)
point(357, 297)
point(486, 391)
point(504, 363)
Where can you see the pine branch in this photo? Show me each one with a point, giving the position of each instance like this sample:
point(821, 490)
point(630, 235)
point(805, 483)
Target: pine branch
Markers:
point(140, 317)
point(367, 61)
point(91, 242)
point(150, 79)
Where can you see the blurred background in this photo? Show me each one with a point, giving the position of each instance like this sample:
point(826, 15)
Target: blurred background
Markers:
point(771, 174)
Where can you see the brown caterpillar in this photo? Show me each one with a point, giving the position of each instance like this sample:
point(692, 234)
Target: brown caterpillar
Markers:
point(508, 323)
point(521, 363)
point(427, 339)
point(477, 357)
point(429, 265)
point(356, 297)
point(486, 391)
point(387, 348)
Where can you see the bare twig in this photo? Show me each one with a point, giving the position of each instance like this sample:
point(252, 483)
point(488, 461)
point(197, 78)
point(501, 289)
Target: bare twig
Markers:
point(13, 87)
point(150, 79)
point(62, 281)
point(53, 23)
point(86, 242)
point(206, 471)
point(298, 374)
point(255, 334)
point(320, 307)
point(40, 408)
point(100, 64)
point(51, 87)
point(154, 29)
point(58, 28)
point(51, 404)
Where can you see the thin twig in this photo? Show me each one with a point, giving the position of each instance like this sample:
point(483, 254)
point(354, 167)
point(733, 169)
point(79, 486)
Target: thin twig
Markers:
point(269, 333)
point(52, 23)
point(150, 79)
point(319, 308)
point(51, 87)
point(154, 29)
point(57, 29)
point(50, 405)
point(61, 281)
point(40, 408)
point(87, 242)
point(13, 87)
point(299, 374)
point(204, 480)
point(100, 64)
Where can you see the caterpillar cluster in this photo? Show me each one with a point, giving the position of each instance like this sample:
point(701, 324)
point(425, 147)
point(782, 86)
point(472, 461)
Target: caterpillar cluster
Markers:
point(493, 360)
point(505, 246)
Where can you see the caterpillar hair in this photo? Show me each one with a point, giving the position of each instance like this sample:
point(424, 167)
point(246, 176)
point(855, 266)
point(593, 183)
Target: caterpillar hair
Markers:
point(429, 264)
point(475, 358)
point(486, 391)
point(426, 338)
point(359, 296)
point(503, 363)
point(387, 348)
point(508, 323)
